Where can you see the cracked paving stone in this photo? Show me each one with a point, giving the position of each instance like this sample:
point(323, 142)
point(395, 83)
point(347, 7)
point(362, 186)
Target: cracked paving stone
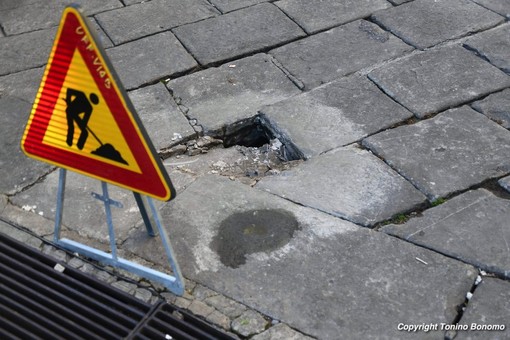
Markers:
point(349, 183)
point(340, 51)
point(499, 6)
point(221, 96)
point(435, 80)
point(490, 305)
point(472, 227)
point(249, 323)
point(425, 23)
point(451, 152)
point(333, 115)
point(494, 45)
point(249, 30)
point(331, 280)
point(315, 16)
point(496, 106)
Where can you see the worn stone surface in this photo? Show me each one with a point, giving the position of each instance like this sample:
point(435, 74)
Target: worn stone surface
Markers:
point(226, 306)
point(332, 279)
point(160, 115)
point(139, 20)
point(281, 331)
point(315, 16)
point(250, 30)
point(496, 106)
point(438, 79)
point(249, 323)
point(219, 319)
point(125, 286)
point(230, 5)
point(104, 40)
point(30, 217)
point(472, 227)
point(37, 15)
point(499, 6)
point(135, 67)
point(329, 55)
point(490, 305)
point(20, 235)
point(371, 191)
point(334, 115)
point(25, 51)
point(220, 96)
point(505, 183)
point(425, 23)
point(493, 45)
point(441, 155)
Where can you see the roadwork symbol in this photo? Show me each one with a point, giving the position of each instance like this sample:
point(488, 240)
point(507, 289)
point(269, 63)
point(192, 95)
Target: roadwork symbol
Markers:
point(83, 120)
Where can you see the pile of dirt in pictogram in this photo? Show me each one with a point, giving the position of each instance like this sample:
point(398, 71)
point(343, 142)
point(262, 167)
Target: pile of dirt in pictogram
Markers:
point(108, 151)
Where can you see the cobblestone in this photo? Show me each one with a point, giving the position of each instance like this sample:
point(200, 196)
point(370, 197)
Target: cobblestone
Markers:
point(494, 46)
point(249, 323)
point(496, 106)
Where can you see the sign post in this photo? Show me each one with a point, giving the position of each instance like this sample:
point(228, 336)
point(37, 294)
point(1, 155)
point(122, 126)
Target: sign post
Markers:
point(82, 120)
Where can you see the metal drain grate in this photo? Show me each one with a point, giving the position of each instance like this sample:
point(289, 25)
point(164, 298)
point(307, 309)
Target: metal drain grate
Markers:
point(39, 302)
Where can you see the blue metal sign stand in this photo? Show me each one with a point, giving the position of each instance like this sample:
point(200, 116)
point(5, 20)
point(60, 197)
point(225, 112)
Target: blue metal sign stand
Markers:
point(174, 283)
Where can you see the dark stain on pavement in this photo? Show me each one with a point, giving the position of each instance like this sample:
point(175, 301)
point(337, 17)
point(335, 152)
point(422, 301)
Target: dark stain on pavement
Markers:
point(251, 232)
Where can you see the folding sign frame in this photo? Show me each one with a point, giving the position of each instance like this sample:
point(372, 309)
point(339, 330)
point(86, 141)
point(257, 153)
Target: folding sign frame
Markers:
point(82, 120)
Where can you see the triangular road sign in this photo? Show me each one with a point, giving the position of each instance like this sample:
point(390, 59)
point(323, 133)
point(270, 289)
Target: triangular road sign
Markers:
point(83, 120)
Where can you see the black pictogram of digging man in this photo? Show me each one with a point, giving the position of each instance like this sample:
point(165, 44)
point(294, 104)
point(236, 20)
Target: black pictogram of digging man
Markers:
point(77, 104)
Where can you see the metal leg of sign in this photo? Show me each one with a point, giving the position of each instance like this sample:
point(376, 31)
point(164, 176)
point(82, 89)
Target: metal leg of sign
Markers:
point(174, 283)
point(142, 205)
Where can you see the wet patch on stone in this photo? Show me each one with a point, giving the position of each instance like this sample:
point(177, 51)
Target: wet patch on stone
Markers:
point(251, 232)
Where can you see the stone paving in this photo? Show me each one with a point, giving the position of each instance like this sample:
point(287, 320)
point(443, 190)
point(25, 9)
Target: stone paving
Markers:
point(342, 167)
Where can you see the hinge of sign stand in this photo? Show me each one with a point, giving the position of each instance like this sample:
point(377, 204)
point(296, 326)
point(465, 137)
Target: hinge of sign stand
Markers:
point(174, 283)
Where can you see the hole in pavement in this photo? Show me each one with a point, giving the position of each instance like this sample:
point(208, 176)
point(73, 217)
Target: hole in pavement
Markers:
point(251, 232)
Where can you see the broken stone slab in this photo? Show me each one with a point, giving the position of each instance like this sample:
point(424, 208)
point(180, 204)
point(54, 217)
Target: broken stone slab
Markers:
point(499, 6)
point(505, 183)
point(333, 115)
point(472, 227)
point(451, 152)
point(25, 51)
point(496, 106)
point(38, 15)
point(221, 96)
point(160, 115)
point(317, 16)
point(330, 279)
point(425, 23)
point(147, 18)
point(493, 45)
point(340, 51)
point(438, 79)
point(349, 183)
point(488, 309)
point(249, 30)
point(135, 67)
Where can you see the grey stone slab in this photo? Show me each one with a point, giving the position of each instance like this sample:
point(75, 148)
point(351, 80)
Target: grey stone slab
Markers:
point(493, 45)
point(4, 5)
point(160, 115)
point(505, 183)
point(104, 40)
point(21, 85)
point(349, 183)
point(398, 2)
point(334, 115)
point(489, 306)
point(220, 96)
point(499, 6)
point(316, 16)
point(25, 51)
point(496, 107)
point(45, 14)
point(281, 331)
point(231, 5)
point(329, 55)
point(425, 23)
point(249, 30)
point(83, 214)
point(150, 59)
point(472, 227)
point(139, 20)
point(29, 217)
point(330, 280)
point(448, 153)
point(20, 235)
point(435, 80)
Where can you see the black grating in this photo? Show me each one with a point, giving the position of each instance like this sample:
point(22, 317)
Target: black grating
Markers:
point(39, 302)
